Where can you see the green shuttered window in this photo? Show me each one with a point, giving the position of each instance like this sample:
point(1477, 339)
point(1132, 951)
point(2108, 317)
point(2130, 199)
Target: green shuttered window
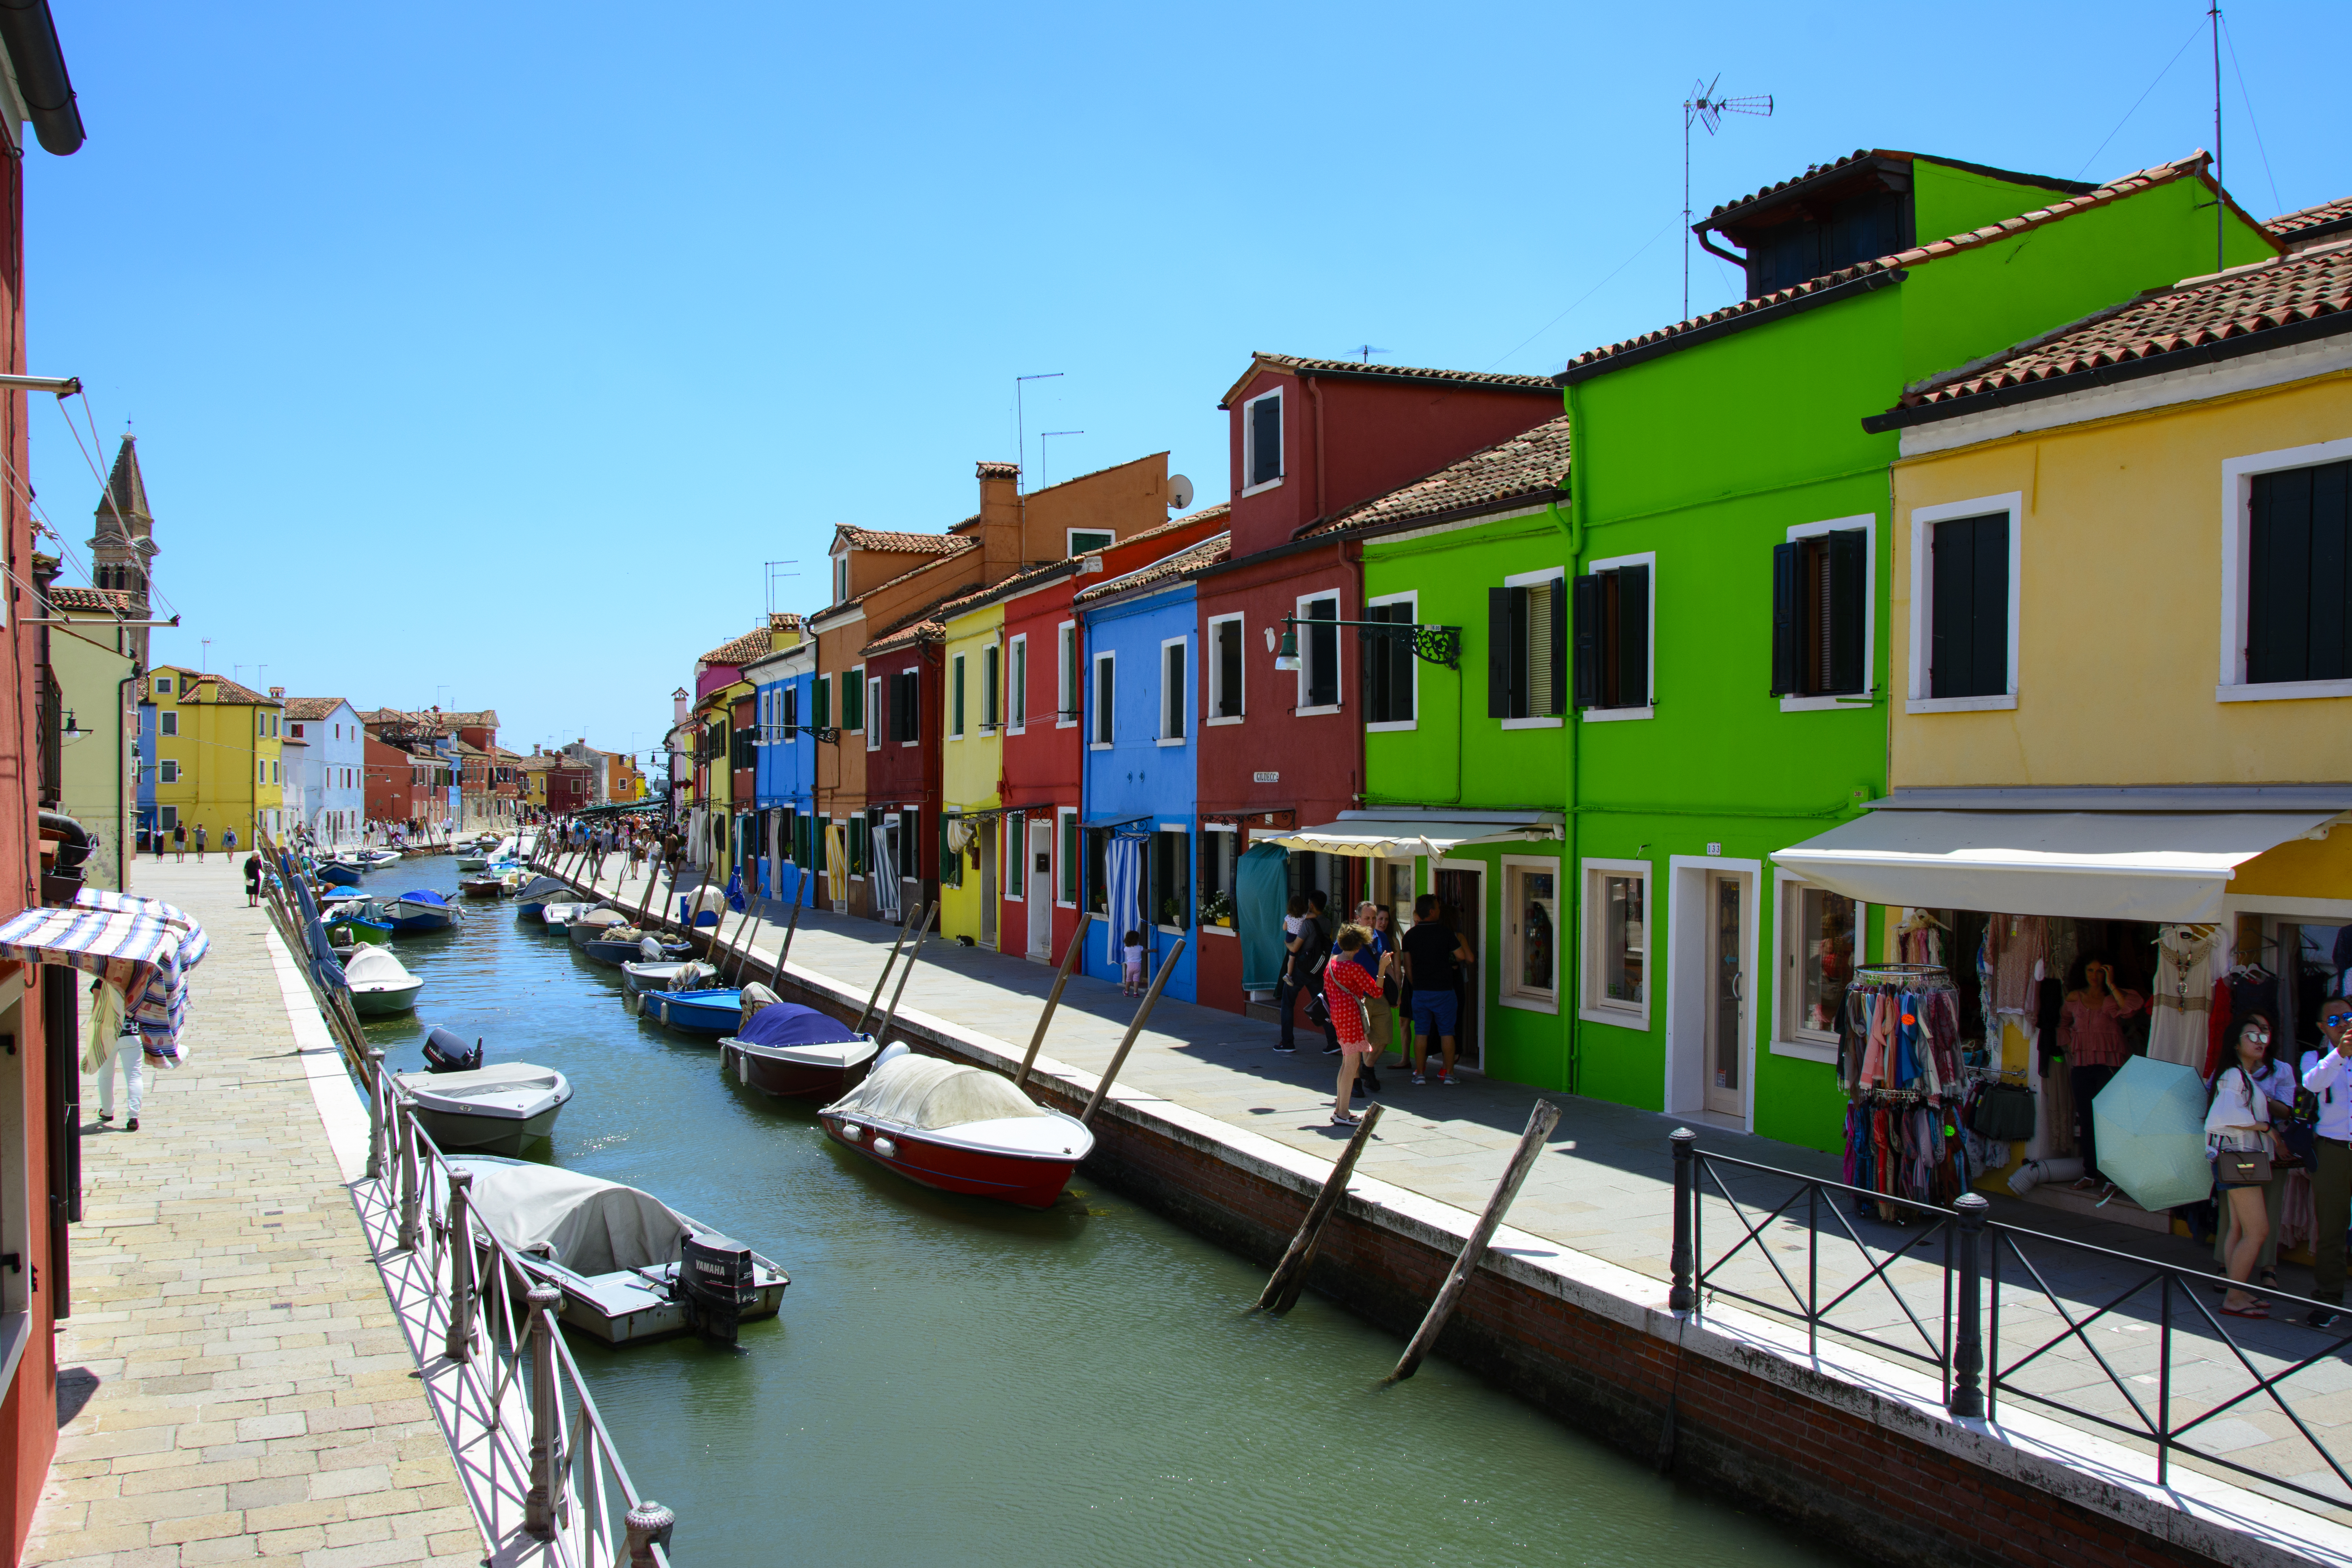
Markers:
point(955, 696)
point(2300, 575)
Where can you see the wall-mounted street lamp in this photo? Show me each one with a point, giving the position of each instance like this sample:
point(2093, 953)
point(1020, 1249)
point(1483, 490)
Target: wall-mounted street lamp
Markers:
point(1430, 644)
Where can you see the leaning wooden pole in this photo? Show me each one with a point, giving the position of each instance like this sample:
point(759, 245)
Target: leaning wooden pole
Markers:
point(884, 978)
point(1540, 1122)
point(1289, 1277)
point(1118, 1057)
point(776, 971)
point(1053, 1000)
point(743, 952)
point(882, 1034)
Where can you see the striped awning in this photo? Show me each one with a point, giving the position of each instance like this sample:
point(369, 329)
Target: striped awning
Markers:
point(143, 947)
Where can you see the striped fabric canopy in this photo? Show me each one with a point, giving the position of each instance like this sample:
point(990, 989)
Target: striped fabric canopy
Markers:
point(143, 947)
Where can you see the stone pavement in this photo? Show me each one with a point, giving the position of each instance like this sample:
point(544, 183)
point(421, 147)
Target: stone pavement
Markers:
point(232, 1384)
point(1605, 1189)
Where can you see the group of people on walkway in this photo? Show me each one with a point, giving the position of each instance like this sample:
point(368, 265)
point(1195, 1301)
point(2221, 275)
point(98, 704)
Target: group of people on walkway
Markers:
point(2268, 1115)
point(1360, 980)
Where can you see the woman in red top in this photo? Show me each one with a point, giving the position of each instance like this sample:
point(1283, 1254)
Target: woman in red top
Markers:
point(1348, 989)
point(2091, 1036)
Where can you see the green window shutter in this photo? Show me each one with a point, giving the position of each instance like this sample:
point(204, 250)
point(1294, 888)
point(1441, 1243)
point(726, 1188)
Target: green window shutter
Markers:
point(1070, 858)
point(1788, 620)
point(821, 703)
point(1849, 568)
point(956, 693)
point(1499, 673)
point(1632, 637)
point(992, 675)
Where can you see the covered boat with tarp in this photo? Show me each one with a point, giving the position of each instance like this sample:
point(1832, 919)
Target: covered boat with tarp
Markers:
point(959, 1129)
point(630, 1266)
point(380, 984)
point(531, 903)
point(421, 909)
point(791, 1051)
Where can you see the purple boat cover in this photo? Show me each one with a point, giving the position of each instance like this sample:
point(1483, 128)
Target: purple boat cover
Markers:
point(789, 1023)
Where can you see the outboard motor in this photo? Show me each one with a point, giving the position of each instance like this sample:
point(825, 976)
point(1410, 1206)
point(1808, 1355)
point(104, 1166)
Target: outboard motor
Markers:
point(650, 950)
point(445, 1052)
point(715, 1284)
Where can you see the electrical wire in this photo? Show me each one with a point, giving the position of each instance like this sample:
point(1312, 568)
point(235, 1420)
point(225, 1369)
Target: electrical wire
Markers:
point(2142, 97)
point(1588, 294)
point(2250, 119)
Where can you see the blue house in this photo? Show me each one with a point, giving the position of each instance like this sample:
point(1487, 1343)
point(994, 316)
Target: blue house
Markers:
point(148, 819)
point(784, 768)
point(1140, 711)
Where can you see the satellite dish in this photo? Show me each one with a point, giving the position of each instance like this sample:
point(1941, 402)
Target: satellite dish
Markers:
point(1180, 491)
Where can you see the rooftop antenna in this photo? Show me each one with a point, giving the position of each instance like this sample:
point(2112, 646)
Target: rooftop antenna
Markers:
point(2220, 204)
point(1365, 352)
point(1044, 437)
point(1704, 107)
point(1020, 429)
point(207, 665)
point(778, 569)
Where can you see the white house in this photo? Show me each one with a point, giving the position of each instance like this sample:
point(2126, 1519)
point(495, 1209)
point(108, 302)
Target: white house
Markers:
point(333, 766)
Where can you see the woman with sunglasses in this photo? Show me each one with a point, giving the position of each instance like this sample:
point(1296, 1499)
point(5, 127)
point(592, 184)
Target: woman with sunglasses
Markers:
point(2274, 1081)
point(2237, 1122)
point(2331, 1164)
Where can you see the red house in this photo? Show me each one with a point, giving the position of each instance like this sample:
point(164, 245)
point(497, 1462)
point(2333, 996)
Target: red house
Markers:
point(1310, 438)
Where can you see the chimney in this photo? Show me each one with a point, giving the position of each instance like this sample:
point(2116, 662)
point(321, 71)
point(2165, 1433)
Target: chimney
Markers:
point(278, 693)
point(1000, 522)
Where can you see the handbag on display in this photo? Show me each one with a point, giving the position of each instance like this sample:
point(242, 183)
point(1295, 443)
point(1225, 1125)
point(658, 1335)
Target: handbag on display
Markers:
point(2005, 1114)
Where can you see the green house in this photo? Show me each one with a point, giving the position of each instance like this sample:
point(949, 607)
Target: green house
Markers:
point(1727, 549)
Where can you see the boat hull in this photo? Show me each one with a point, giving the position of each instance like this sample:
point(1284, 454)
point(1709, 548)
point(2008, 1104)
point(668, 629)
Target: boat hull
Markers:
point(377, 1003)
point(691, 1016)
point(358, 931)
point(785, 1079)
point(412, 925)
point(455, 1131)
point(336, 875)
point(1031, 1180)
point(606, 1308)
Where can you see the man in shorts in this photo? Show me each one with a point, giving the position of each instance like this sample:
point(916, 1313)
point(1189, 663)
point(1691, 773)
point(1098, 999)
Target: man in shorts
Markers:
point(1431, 951)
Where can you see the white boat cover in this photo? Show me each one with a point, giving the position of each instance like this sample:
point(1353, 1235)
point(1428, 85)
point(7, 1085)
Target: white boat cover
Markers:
point(709, 899)
point(373, 967)
point(508, 1090)
point(925, 1092)
point(1385, 834)
point(2089, 865)
point(587, 1225)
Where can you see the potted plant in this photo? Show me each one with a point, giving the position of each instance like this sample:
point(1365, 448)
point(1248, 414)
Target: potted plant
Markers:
point(1217, 908)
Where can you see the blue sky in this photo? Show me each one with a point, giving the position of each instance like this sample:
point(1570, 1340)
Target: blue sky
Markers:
point(484, 354)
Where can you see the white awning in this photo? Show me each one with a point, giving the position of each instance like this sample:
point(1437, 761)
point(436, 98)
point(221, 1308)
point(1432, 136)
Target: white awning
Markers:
point(1393, 835)
point(2089, 865)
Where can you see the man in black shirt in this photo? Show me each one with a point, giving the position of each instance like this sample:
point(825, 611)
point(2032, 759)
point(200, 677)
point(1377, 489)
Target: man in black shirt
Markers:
point(1431, 951)
point(1308, 949)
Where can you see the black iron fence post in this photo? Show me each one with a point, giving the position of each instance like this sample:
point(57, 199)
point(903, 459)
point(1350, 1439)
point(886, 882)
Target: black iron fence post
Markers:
point(1968, 1351)
point(1682, 1262)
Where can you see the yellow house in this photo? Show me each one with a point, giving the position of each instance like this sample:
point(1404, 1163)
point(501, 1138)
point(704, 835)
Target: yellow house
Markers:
point(971, 766)
point(217, 760)
point(2121, 721)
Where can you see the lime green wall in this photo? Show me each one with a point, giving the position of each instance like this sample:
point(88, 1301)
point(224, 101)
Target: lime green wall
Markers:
point(1947, 201)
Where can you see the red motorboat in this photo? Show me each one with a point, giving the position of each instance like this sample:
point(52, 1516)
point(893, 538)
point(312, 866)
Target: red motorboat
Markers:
point(959, 1129)
point(792, 1051)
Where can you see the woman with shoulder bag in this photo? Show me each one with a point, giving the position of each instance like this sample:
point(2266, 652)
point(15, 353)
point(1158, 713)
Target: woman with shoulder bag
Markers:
point(1349, 988)
point(2274, 1081)
point(2241, 1141)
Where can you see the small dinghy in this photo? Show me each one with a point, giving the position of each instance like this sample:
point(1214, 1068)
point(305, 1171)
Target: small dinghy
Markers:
point(483, 887)
point(630, 1266)
point(472, 860)
point(536, 896)
point(376, 859)
point(791, 1051)
point(617, 945)
point(380, 984)
point(594, 921)
point(336, 874)
point(716, 1012)
point(498, 1107)
point(356, 921)
point(959, 1129)
point(421, 909)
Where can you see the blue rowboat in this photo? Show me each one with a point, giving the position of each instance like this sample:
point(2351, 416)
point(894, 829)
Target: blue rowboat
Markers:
point(335, 874)
point(421, 909)
point(697, 1011)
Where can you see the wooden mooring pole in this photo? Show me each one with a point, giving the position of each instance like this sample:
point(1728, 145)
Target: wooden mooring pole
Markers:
point(1540, 1121)
point(1281, 1291)
point(884, 978)
point(1118, 1057)
point(784, 953)
point(1053, 1000)
point(881, 1035)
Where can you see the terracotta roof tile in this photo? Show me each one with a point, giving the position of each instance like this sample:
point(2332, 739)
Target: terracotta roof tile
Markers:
point(741, 650)
point(307, 708)
point(224, 690)
point(903, 543)
point(1207, 553)
point(481, 719)
point(2235, 306)
point(997, 471)
point(1398, 373)
point(2194, 164)
point(94, 600)
point(1861, 156)
point(2311, 223)
point(1532, 465)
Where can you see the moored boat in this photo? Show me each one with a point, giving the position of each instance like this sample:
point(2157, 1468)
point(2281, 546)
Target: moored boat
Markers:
point(498, 1107)
point(338, 874)
point(594, 921)
point(959, 1129)
point(421, 909)
point(713, 1012)
point(356, 922)
point(472, 860)
point(630, 1266)
point(531, 901)
point(376, 859)
point(792, 1052)
point(617, 945)
point(483, 887)
point(380, 984)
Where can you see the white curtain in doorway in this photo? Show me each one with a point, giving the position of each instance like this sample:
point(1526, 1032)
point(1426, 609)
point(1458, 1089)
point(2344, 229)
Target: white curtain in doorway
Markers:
point(1123, 873)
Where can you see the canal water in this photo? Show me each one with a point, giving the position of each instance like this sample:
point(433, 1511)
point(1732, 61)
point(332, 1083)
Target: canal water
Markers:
point(952, 1381)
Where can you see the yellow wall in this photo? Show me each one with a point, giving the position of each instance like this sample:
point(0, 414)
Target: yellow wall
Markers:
point(99, 772)
point(2120, 606)
point(972, 765)
point(231, 770)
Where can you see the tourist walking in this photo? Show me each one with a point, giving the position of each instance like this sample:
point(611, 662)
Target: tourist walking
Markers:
point(253, 879)
point(1348, 991)
point(114, 1042)
point(2242, 1142)
point(2091, 1038)
point(1376, 958)
point(200, 843)
point(2330, 1108)
point(228, 844)
point(180, 841)
point(1435, 956)
point(1302, 973)
point(2274, 1081)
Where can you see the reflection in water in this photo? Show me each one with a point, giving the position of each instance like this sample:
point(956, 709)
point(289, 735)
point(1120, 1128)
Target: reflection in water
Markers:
point(959, 1381)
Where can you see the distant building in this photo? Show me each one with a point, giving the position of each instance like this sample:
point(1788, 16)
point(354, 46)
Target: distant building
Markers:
point(218, 759)
point(333, 765)
point(97, 757)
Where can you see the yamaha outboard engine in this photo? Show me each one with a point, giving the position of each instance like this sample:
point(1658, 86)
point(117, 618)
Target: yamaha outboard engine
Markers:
point(715, 1284)
point(445, 1052)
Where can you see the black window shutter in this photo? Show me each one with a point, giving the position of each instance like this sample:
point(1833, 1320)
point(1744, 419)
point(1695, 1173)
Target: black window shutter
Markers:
point(1229, 668)
point(2302, 567)
point(1849, 561)
point(1556, 655)
point(1499, 653)
point(1371, 667)
point(1265, 440)
point(1788, 619)
point(2331, 570)
point(1989, 671)
point(1590, 609)
point(1951, 627)
point(1632, 637)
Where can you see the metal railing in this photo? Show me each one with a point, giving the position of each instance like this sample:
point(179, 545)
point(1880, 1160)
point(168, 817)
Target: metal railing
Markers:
point(516, 1381)
point(2035, 1342)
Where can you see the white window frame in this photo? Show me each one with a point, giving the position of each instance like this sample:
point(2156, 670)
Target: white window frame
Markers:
point(1062, 813)
point(1623, 1015)
point(167, 723)
point(163, 686)
point(956, 671)
point(1787, 1039)
point(1507, 992)
point(1597, 715)
point(2237, 564)
point(1412, 600)
point(840, 573)
point(1249, 443)
point(1868, 522)
point(1179, 698)
point(167, 771)
point(873, 703)
point(1104, 719)
point(1016, 685)
point(1006, 880)
point(1340, 675)
point(1923, 599)
point(1241, 645)
point(169, 815)
point(1070, 541)
point(1068, 669)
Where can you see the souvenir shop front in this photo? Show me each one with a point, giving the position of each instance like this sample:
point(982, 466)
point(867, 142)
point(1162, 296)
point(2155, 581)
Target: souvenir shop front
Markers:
point(1952, 1053)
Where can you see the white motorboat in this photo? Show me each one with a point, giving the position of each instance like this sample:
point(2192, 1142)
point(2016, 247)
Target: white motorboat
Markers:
point(957, 1128)
point(380, 982)
point(374, 858)
point(472, 860)
point(497, 1109)
point(630, 1266)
